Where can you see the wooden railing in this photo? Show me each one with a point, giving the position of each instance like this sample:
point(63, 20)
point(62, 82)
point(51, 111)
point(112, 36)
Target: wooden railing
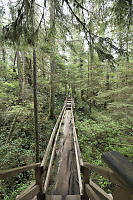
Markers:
point(120, 171)
point(120, 174)
point(37, 188)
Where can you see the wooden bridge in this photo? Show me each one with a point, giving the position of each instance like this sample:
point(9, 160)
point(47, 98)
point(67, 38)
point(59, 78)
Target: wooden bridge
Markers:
point(62, 174)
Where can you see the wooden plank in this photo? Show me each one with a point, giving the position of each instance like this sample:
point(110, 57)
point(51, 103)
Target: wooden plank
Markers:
point(53, 197)
point(46, 155)
point(100, 192)
point(28, 188)
point(121, 166)
point(120, 193)
point(86, 177)
point(73, 197)
point(32, 192)
point(78, 167)
point(91, 194)
point(52, 157)
point(61, 197)
point(105, 172)
point(15, 171)
point(39, 179)
point(75, 134)
point(77, 158)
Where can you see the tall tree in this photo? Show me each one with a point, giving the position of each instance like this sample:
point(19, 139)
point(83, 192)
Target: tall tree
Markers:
point(52, 59)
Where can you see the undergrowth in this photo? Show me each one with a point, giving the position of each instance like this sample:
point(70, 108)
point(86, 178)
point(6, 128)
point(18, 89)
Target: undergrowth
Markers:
point(98, 132)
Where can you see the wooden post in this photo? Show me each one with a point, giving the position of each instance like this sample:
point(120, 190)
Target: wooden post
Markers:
point(39, 181)
point(121, 193)
point(86, 177)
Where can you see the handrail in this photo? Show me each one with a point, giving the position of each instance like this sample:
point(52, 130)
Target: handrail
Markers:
point(45, 157)
point(90, 192)
point(52, 156)
point(122, 190)
point(105, 172)
point(13, 172)
point(29, 194)
point(120, 174)
point(121, 166)
point(77, 154)
point(37, 188)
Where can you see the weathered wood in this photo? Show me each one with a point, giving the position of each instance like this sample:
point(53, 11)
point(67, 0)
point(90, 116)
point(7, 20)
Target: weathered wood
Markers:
point(66, 182)
point(39, 181)
point(105, 172)
point(29, 194)
point(77, 157)
point(27, 189)
point(61, 197)
point(122, 167)
point(13, 172)
point(120, 193)
point(100, 192)
point(35, 103)
point(68, 106)
point(78, 166)
point(86, 177)
point(52, 158)
point(75, 135)
point(46, 155)
point(91, 194)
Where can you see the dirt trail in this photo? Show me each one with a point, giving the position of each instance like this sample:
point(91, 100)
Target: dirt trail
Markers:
point(66, 181)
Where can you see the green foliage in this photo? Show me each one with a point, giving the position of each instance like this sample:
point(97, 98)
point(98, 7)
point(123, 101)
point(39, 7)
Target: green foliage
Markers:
point(100, 131)
point(92, 67)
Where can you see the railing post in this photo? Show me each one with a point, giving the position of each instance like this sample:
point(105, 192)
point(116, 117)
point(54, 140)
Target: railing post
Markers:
point(86, 177)
point(121, 193)
point(39, 181)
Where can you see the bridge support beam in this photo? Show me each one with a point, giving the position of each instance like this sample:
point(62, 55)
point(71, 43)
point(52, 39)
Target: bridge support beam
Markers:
point(86, 177)
point(39, 181)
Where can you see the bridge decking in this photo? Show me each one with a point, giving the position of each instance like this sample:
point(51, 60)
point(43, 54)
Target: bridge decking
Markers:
point(66, 182)
point(66, 160)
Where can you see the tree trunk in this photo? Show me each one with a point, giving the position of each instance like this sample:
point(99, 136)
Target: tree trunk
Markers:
point(52, 89)
point(81, 78)
point(107, 81)
point(52, 60)
point(91, 51)
point(14, 62)
point(4, 60)
point(20, 75)
point(28, 71)
point(24, 73)
point(35, 105)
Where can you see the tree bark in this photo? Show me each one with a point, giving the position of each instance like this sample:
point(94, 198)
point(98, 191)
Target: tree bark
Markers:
point(81, 77)
point(20, 75)
point(4, 60)
point(35, 105)
point(52, 60)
